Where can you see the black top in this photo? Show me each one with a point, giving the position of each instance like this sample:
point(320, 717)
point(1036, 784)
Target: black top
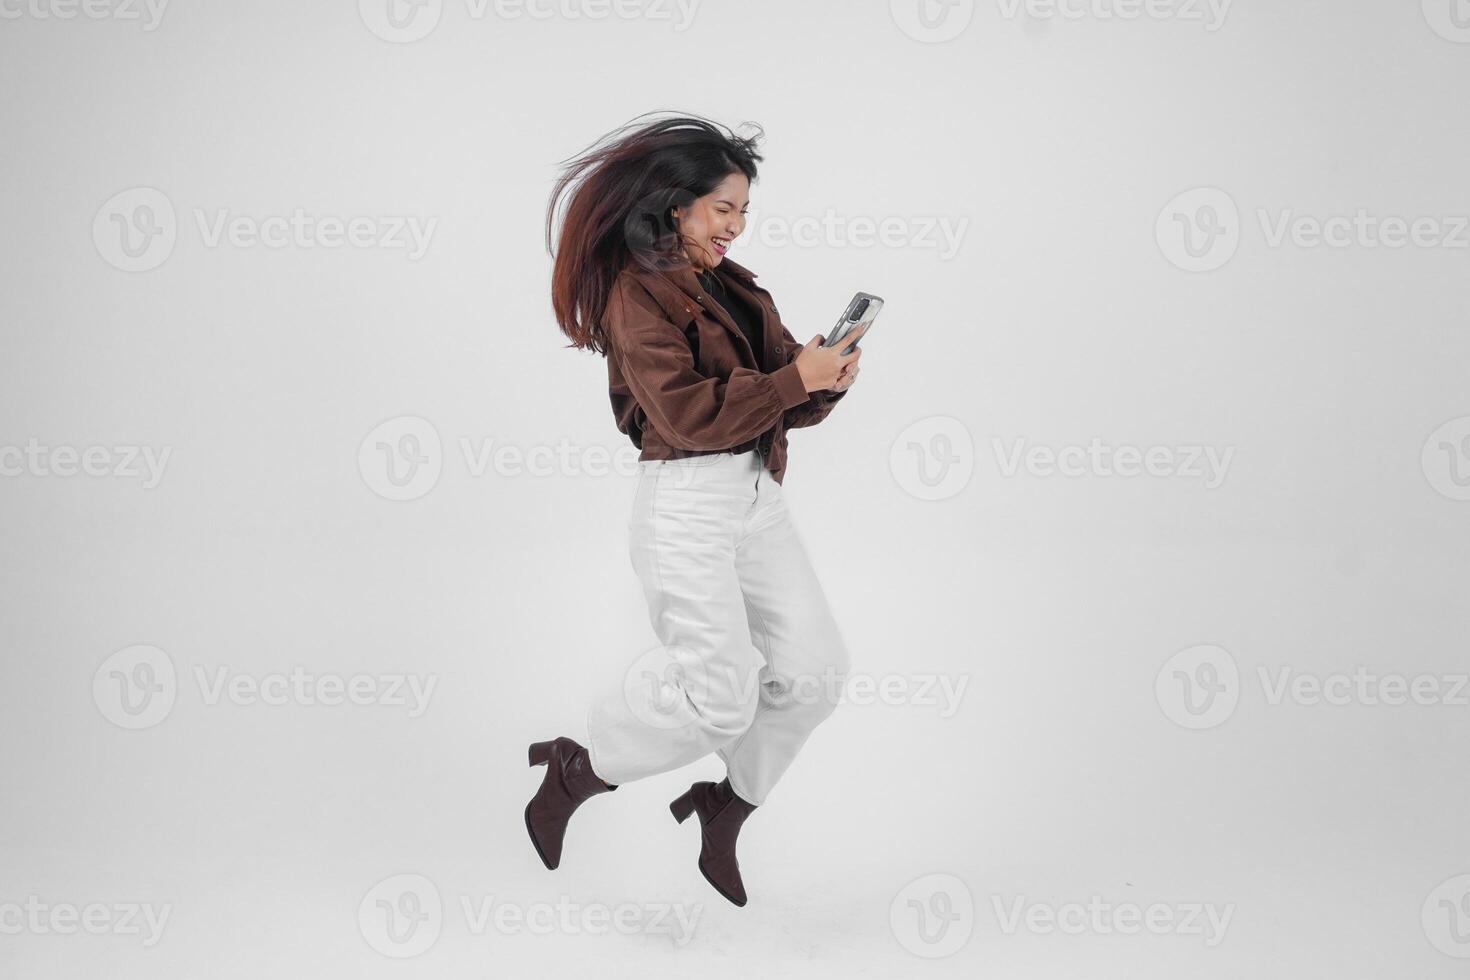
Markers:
point(748, 320)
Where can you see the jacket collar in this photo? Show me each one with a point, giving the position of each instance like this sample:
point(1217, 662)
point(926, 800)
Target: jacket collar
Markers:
point(736, 269)
point(688, 284)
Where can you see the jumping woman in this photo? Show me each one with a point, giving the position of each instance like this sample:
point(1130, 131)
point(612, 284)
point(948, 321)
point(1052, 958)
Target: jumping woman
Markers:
point(705, 380)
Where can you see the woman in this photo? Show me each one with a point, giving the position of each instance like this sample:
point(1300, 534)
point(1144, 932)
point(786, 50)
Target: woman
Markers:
point(705, 380)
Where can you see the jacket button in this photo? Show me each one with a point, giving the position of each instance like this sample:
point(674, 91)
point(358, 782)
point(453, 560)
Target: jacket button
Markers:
point(778, 350)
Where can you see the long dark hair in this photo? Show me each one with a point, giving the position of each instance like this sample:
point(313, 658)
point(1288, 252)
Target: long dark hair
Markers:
point(617, 197)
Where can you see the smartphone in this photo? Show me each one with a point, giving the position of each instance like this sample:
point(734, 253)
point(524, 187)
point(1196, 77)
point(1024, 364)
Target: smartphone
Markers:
point(861, 312)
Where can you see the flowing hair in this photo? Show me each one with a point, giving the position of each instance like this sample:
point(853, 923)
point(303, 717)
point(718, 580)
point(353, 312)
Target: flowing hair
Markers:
point(616, 200)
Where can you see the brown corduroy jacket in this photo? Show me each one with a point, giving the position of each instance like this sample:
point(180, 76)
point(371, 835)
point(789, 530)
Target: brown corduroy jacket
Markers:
point(682, 376)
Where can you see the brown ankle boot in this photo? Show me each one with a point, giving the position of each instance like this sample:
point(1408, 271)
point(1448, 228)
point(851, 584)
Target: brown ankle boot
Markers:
point(721, 813)
point(568, 783)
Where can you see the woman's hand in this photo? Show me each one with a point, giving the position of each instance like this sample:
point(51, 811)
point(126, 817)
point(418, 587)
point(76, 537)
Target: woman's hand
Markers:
point(822, 368)
point(849, 375)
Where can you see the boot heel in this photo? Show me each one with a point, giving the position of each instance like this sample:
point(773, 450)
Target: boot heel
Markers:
point(683, 806)
point(540, 752)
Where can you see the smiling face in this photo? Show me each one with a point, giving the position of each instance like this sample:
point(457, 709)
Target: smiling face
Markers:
point(712, 222)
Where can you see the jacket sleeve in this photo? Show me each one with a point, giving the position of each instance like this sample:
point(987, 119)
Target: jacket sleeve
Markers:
point(689, 409)
point(819, 404)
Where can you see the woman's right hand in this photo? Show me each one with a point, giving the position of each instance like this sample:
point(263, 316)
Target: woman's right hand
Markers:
point(820, 367)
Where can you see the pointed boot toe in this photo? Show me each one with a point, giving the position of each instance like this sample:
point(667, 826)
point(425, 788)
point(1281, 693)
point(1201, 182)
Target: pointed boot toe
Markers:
point(721, 815)
point(568, 783)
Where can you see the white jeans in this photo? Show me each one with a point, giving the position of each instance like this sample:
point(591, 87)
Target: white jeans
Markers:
point(751, 659)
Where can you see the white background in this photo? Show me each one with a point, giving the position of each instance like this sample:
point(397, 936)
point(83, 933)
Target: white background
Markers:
point(1336, 541)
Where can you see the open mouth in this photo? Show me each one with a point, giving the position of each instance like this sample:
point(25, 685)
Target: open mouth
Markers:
point(722, 245)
